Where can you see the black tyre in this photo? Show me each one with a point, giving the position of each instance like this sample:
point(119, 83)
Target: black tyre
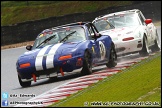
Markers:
point(156, 46)
point(87, 63)
point(145, 49)
point(24, 84)
point(112, 58)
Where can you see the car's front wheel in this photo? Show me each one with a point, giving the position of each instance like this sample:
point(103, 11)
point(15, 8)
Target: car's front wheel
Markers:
point(24, 84)
point(112, 58)
point(87, 63)
point(145, 49)
point(156, 46)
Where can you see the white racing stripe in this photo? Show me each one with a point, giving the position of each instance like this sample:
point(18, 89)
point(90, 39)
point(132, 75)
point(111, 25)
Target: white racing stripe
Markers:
point(50, 57)
point(39, 58)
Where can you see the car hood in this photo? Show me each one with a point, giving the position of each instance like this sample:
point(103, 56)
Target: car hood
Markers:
point(119, 32)
point(45, 50)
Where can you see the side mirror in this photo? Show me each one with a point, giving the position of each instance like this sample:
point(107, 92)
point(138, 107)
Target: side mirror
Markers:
point(98, 35)
point(148, 21)
point(29, 47)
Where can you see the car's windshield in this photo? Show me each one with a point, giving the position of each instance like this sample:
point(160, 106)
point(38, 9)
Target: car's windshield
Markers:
point(103, 24)
point(72, 34)
point(124, 20)
point(118, 21)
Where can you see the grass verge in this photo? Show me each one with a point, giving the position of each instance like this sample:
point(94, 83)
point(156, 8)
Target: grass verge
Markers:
point(140, 84)
point(13, 12)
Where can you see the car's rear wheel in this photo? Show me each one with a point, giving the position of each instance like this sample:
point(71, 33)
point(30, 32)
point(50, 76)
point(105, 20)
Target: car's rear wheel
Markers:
point(87, 63)
point(112, 58)
point(156, 46)
point(24, 84)
point(145, 49)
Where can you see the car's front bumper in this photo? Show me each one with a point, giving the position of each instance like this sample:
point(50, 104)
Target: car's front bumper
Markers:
point(126, 47)
point(69, 65)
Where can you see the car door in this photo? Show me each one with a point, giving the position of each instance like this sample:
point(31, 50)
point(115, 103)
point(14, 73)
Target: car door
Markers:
point(151, 29)
point(147, 27)
point(98, 44)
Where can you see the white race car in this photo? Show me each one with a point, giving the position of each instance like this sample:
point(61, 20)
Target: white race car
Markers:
point(130, 31)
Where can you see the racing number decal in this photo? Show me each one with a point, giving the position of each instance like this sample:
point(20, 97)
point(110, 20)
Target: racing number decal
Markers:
point(102, 50)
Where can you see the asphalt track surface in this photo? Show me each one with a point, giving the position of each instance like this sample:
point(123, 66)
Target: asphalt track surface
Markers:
point(10, 83)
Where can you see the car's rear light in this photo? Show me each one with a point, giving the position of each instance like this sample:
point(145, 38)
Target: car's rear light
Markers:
point(127, 39)
point(24, 65)
point(65, 57)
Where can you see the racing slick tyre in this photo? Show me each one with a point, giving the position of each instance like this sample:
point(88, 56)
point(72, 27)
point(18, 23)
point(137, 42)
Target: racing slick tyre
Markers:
point(145, 49)
point(156, 46)
point(24, 84)
point(113, 57)
point(87, 63)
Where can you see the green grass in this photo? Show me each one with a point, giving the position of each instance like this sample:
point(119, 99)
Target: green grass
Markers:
point(13, 12)
point(153, 95)
point(141, 82)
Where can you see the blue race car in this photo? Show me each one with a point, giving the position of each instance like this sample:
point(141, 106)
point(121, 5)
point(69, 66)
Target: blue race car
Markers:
point(64, 49)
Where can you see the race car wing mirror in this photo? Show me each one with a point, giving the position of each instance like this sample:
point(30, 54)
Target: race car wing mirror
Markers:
point(29, 47)
point(148, 21)
point(98, 35)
